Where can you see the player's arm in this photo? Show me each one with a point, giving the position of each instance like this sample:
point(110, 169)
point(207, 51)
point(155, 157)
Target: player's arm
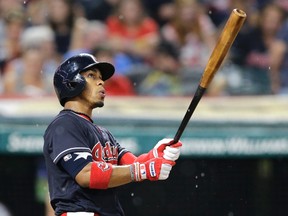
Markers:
point(101, 175)
point(94, 177)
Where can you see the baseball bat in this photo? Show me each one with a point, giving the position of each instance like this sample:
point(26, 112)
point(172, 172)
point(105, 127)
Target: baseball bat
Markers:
point(226, 39)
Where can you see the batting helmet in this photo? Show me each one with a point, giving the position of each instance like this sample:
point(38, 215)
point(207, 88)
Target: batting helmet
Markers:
point(68, 82)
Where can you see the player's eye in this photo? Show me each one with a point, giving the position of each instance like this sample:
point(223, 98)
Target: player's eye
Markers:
point(91, 75)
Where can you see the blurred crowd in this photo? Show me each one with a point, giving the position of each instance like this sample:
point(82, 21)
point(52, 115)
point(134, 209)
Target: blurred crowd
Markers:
point(159, 47)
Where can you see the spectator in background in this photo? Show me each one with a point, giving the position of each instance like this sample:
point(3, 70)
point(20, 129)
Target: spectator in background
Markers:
point(164, 79)
point(132, 34)
point(193, 32)
point(36, 12)
point(61, 17)
point(23, 75)
point(42, 37)
point(87, 35)
point(5, 8)
point(283, 4)
point(251, 53)
point(251, 7)
point(98, 10)
point(218, 10)
point(14, 24)
point(161, 10)
point(31, 73)
point(118, 84)
point(279, 58)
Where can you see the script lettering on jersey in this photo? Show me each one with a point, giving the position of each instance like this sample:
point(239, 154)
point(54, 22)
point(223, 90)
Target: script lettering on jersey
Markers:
point(108, 153)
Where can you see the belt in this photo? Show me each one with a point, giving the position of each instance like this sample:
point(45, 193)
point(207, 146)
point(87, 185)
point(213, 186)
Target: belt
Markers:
point(80, 214)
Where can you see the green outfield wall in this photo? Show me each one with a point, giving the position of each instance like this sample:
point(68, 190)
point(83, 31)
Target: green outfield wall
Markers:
point(219, 127)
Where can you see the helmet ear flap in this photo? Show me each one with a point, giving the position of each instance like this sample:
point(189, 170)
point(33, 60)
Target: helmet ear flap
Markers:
point(76, 83)
point(67, 87)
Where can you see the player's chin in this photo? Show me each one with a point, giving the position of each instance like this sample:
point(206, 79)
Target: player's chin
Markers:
point(99, 104)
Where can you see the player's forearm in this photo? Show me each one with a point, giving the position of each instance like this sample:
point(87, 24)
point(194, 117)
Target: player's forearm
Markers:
point(121, 175)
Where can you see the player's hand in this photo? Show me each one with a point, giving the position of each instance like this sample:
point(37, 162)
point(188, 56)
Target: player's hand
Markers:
point(172, 152)
point(153, 170)
point(165, 148)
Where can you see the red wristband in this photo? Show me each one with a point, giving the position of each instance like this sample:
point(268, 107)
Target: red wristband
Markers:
point(100, 175)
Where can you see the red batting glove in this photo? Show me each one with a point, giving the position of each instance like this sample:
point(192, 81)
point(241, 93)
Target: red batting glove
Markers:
point(161, 149)
point(153, 170)
point(172, 152)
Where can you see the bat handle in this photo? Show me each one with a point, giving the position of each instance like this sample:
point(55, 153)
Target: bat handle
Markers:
point(198, 95)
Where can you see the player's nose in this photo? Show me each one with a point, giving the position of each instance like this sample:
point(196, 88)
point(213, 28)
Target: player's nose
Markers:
point(100, 82)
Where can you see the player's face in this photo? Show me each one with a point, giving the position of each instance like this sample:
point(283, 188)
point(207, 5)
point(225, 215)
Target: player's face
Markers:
point(94, 92)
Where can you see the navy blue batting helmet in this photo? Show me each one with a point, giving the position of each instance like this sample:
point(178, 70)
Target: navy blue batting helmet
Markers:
point(69, 83)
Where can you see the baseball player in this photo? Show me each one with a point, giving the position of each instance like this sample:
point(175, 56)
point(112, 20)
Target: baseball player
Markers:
point(83, 160)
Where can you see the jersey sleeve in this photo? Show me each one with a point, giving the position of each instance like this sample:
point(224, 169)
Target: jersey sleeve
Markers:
point(73, 163)
point(65, 136)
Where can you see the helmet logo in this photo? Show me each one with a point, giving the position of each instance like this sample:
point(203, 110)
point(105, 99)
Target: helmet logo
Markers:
point(63, 74)
point(78, 78)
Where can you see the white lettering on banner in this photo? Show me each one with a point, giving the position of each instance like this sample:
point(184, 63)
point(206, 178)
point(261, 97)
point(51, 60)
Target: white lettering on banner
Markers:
point(235, 146)
point(201, 146)
point(20, 143)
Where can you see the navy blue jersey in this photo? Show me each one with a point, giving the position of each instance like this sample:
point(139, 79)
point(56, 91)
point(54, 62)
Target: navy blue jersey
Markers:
point(70, 134)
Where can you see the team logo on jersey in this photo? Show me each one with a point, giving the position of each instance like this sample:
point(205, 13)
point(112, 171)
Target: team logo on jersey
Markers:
point(108, 153)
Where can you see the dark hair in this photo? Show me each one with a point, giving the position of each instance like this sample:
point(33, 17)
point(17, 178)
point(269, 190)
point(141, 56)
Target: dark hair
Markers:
point(168, 48)
point(69, 19)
